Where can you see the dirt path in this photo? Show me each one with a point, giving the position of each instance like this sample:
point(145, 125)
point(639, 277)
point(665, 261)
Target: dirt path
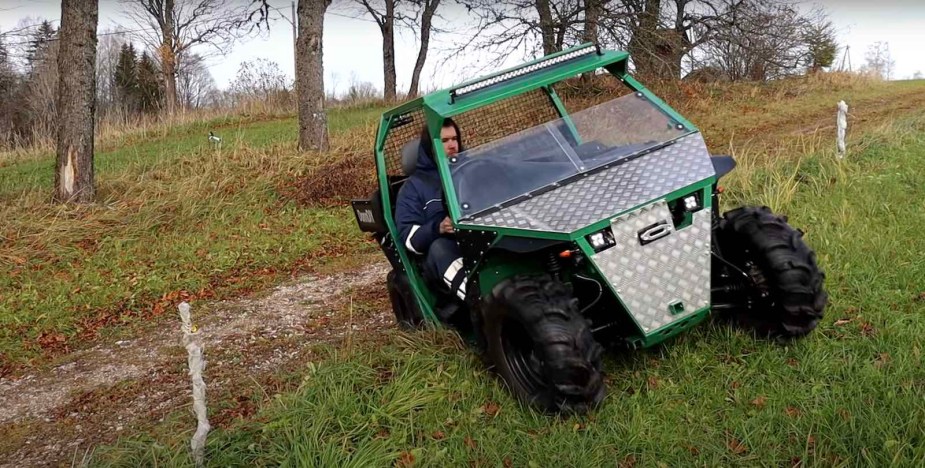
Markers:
point(93, 396)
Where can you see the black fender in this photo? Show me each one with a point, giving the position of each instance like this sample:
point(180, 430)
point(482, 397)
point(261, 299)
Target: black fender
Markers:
point(723, 165)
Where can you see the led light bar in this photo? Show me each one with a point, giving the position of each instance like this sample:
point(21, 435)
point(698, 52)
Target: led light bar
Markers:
point(517, 72)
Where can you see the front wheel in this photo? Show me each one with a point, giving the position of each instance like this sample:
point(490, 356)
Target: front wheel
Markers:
point(765, 277)
point(541, 346)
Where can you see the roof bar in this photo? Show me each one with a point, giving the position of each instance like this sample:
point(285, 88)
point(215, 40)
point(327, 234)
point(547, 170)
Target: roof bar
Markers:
point(564, 56)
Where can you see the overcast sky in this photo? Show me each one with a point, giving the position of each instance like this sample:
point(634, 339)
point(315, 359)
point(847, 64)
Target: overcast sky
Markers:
point(352, 47)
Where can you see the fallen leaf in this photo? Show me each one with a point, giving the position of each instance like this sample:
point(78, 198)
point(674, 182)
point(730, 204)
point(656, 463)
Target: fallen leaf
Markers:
point(439, 435)
point(841, 322)
point(653, 383)
point(491, 408)
point(470, 442)
point(760, 401)
point(406, 459)
point(867, 329)
point(792, 412)
point(735, 446)
point(628, 462)
point(507, 462)
point(920, 297)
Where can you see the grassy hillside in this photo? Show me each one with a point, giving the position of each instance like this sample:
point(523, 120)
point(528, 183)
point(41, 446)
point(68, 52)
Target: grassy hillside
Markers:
point(179, 218)
point(850, 394)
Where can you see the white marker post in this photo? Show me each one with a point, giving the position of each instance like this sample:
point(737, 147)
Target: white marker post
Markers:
point(196, 366)
point(841, 123)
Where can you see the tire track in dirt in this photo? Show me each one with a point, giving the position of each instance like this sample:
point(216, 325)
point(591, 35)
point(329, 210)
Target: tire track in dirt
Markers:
point(95, 395)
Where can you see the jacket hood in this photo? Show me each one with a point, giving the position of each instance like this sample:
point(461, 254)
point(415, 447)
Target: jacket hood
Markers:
point(425, 161)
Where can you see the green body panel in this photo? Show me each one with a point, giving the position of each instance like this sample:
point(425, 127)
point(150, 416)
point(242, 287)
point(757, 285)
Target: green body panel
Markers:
point(496, 266)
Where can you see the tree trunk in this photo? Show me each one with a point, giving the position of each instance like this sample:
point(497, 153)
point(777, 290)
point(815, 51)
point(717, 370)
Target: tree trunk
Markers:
point(589, 34)
point(430, 7)
point(592, 16)
point(76, 101)
point(313, 125)
point(169, 57)
point(547, 27)
point(388, 49)
point(642, 43)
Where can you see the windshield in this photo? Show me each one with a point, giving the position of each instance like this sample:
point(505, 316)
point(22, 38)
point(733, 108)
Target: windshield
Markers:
point(539, 158)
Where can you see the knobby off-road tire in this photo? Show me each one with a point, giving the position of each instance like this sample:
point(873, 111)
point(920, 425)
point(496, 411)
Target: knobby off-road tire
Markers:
point(541, 346)
point(407, 313)
point(786, 287)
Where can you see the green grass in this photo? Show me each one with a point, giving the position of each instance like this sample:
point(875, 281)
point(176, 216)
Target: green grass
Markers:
point(175, 217)
point(849, 394)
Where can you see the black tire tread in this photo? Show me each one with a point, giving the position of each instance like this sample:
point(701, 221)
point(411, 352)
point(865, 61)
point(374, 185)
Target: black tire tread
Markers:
point(571, 358)
point(794, 278)
point(408, 315)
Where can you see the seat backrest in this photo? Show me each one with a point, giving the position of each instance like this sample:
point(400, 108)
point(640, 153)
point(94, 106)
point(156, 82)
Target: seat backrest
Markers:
point(409, 156)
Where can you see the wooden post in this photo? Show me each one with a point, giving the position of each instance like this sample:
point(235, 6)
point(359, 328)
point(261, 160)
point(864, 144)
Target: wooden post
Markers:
point(196, 366)
point(841, 122)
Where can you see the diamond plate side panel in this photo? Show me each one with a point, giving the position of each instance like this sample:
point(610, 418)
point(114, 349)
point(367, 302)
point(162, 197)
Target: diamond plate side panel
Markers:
point(606, 193)
point(650, 277)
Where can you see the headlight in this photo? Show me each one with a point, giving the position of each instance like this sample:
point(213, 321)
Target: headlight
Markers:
point(601, 240)
point(690, 203)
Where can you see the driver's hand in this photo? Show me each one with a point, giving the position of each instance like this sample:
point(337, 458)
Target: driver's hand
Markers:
point(446, 226)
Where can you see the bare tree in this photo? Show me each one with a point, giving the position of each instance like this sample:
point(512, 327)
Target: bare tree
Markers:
point(313, 122)
point(174, 27)
point(42, 91)
point(593, 11)
point(194, 81)
point(261, 79)
point(663, 32)
point(76, 106)
point(428, 8)
point(879, 60)
point(107, 57)
point(767, 40)
point(384, 13)
point(532, 27)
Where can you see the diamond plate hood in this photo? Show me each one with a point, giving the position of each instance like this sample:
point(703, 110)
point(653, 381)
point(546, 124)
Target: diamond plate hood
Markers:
point(607, 193)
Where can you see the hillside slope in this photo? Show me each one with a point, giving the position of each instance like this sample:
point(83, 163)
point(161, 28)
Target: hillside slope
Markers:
point(185, 220)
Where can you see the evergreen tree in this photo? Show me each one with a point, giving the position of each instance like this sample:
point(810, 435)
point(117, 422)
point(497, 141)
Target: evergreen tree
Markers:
point(150, 88)
point(822, 47)
point(38, 45)
point(126, 77)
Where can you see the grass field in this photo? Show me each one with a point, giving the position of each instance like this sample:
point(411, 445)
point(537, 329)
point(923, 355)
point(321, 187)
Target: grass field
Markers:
point(179, 218)
point(850, 394)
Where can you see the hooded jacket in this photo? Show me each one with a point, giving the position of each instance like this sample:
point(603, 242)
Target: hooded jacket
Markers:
point(419, 206)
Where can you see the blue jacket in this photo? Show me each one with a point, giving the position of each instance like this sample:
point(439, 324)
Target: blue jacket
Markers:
point(419, 208)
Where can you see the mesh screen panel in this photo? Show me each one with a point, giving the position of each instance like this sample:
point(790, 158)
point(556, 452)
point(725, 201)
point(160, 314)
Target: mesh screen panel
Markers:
point(403, 130)
point(506, 117)
point(578, 95)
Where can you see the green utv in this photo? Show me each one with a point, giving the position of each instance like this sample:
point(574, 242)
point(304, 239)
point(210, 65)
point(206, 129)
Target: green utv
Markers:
point(582, 223)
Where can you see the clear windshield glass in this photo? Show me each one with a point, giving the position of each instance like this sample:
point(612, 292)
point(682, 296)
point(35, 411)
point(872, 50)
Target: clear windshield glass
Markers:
point(536, 159)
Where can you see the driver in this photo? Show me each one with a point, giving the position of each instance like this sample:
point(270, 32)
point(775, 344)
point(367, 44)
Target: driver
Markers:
point(423, 223)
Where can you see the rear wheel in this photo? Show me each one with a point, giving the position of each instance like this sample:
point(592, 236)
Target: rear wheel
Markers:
point(766, 278)
point(405, 307)
point(541, 346)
